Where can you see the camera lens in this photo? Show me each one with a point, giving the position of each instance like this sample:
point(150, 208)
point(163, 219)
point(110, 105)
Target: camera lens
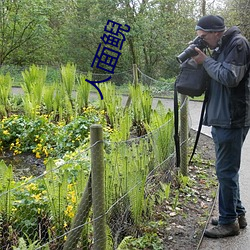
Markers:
point(187, 53)
point(190, 51)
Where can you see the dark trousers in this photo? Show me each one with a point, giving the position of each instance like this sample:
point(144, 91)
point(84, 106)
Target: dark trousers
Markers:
point(228, 145)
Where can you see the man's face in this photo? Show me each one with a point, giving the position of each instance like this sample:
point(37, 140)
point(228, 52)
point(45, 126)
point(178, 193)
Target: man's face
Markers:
point(211, 38)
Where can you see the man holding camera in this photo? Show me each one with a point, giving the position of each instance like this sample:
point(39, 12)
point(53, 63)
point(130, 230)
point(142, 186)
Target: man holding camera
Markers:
point(228, 112)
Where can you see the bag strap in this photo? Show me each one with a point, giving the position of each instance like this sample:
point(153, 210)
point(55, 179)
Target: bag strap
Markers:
point(199, 127)
point(176, 126)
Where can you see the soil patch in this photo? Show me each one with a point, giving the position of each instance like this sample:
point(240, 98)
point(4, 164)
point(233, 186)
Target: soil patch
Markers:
point(25, 164)
point(186, 222)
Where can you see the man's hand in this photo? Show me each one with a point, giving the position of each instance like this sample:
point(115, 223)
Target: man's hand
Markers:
point(200, 58)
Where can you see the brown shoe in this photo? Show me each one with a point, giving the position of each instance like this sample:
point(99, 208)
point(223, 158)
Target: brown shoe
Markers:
point(241, 219)
point(221, 231)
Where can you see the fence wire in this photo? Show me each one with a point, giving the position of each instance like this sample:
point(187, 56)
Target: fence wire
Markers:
point(43, 210)
point(158, 87)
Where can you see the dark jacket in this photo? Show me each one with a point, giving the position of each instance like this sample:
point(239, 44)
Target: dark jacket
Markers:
point(229, 90)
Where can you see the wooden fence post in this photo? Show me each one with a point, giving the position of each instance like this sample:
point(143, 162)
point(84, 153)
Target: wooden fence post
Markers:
point(184, 135)
point(98, 194)
point(135, 74)
point(135, 81)
point(80, 218)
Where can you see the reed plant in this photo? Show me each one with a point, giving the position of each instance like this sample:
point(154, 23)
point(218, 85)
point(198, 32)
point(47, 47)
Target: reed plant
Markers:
point(111, 103)
point(141, 105)
point(48, 98)
point(83, 92)
point(68, 74)
point(161, 130)
point(139, 168)
point(56, 187)
point(34, 80)
point(122, 128)
point(126, 172)
point(62, 106)
point(5, 90)
point(6, 184)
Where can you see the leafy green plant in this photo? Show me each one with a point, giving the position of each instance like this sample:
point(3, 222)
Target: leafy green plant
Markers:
point(83, 91)
point(147, 241)
point(56, 189)
point(111, 103)
point(6, 184)
point(184, 181)
point(161, 126)
point(176, 199)
point(122, 129)
point(34, 81)
point(126, 172)
point(6, 204)
point(43, 137)
point(30, 208)
point(164, 191)
point(141, 104)
point(48, 98)
point(68, 74)
point(5, 90)
point(23, 245)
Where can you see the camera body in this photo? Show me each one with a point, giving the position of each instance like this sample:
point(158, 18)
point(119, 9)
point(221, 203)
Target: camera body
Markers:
point(190, 51)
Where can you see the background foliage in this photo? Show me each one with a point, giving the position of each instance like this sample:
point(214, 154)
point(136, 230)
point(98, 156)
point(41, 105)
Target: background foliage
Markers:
point(49, 32)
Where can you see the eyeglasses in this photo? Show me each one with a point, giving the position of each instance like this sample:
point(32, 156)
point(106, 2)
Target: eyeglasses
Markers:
point(203, 36)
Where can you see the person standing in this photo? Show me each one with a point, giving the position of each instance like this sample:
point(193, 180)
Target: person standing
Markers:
point(228, 112)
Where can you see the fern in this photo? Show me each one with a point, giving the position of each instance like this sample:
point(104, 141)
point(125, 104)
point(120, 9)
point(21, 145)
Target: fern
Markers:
point(56, 184)
point(33, 86)
point(6, 184)
point(68, 74)
point(83, 91)
point(161, 126)
point(5, 90)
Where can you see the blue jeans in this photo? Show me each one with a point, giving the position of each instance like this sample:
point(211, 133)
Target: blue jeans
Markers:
point(228, 145)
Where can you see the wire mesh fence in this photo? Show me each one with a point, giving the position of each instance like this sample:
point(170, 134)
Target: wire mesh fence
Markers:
point(46, 210)
point(55, 210)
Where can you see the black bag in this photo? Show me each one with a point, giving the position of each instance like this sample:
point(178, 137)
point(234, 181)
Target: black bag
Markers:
point(192, 80)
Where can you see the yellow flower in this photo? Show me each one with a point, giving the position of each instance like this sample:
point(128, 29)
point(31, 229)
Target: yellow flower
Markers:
point(31, 187)
point(37, 196)
point(38, 156)
point(103, 112)
point(45, 151)
point(17, 152)
point(6, 132)
point(14, 209)
point(69, 211)
point(73, 199)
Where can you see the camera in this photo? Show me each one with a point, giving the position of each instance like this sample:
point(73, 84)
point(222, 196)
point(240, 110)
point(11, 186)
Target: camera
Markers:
point(190, 51)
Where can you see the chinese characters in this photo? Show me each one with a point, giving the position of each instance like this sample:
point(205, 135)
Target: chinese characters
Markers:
point(107, 56)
